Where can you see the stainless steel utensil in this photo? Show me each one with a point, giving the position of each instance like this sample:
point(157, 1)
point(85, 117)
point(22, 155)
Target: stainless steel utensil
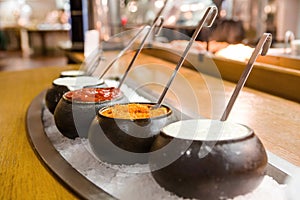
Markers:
point(263, 45)
point(139, 50)
point(205, 18)
point(123, 51)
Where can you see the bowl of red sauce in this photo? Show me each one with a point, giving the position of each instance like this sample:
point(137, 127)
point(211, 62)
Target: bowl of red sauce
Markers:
point(76, 109)
point(124, 133)
point(208, 159)
point(63, 85)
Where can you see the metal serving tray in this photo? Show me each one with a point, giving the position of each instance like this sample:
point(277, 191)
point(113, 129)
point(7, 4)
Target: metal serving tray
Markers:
point(277, 168)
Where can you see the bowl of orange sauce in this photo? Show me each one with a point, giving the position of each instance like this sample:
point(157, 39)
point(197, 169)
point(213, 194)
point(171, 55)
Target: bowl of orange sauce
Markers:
point(124, 133)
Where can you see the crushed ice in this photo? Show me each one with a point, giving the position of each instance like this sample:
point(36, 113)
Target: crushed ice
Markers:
point(125, 182)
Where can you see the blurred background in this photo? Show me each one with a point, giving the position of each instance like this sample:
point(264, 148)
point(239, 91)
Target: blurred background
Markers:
point(47, 27)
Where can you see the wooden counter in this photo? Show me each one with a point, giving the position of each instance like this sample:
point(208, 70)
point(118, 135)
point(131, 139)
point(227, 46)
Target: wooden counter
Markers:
point(270, 77)
point(22, 176)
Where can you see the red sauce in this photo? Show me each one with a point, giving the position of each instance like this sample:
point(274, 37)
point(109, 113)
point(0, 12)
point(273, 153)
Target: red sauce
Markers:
point(93, 94)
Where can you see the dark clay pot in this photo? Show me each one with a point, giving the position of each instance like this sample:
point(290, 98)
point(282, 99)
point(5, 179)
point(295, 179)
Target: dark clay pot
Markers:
point(207, 168)
point(63, 85)
point(125, 141)
point(53, 96)
point(73, 118)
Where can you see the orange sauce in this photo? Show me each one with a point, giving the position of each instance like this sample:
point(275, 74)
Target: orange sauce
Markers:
point(134, 111)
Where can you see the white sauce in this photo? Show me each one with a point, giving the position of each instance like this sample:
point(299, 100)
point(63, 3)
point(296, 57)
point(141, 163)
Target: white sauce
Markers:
point(72, 73)
point(79, 82)
point(207, 130)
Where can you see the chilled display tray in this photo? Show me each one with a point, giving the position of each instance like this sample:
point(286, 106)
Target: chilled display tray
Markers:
point(277, 168)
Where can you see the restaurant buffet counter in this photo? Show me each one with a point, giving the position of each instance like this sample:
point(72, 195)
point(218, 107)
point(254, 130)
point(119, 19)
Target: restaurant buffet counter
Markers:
point(275, 120)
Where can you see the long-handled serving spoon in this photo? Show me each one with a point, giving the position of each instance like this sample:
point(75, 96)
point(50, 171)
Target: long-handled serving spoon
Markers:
point(205, 18)
point(263, 45)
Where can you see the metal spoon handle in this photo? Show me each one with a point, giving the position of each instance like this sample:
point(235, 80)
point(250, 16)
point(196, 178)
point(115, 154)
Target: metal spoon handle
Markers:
point(123, 51)
point(138, 52)
point(183, 57)
point(90, 60)
point(155, 22)
point(93, 64)
point(263, 44)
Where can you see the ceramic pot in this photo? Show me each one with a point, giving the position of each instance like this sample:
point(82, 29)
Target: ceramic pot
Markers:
point(62, 85)
point(77, 109)
point(126, 140)
point(208, 159)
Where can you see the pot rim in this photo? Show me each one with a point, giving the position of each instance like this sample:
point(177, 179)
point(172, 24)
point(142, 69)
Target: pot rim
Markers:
point(72, 83)
point(248, 132)
point(72, 73)
point(151, 103)
point(120, 96)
